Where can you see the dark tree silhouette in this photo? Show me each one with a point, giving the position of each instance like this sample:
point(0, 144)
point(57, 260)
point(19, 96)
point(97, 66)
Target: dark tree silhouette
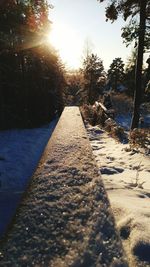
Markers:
point(92, 71)
point(116, 72)
point(31, 75)
point(138, 76)
point(130, 9)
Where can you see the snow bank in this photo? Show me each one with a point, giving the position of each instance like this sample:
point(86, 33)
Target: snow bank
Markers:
point(126, 175)
point(19, 155)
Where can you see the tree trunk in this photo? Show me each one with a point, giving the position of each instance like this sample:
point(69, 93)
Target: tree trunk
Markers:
point(138, 74)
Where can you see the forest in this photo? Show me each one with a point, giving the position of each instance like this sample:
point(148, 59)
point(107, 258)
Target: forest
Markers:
point(34, 83)
point(74, 190)
point(31, 73)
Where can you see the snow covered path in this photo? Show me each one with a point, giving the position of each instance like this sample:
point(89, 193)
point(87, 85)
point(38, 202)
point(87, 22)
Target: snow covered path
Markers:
point(126, 176)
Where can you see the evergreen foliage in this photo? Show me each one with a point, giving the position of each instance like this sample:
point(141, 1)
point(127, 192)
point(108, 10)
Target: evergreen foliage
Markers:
point(116, 72)
point(129, 78)
point(138, 29)
point(93, 71)
point(31, 75)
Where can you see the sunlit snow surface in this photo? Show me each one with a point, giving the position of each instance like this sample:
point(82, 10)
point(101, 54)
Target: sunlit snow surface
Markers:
point(20, 152)
point(126, 176)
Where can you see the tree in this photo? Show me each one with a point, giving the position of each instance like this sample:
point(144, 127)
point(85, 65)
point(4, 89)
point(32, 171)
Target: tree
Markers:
point(129, 78)
point(92, 72)
point(22, 23)
point(138, 76)
point(116, 72)
point(147, 81)
point(130, 32)
point(73, 88)
point(130, 9)
point(31, 75)
point(147, 71)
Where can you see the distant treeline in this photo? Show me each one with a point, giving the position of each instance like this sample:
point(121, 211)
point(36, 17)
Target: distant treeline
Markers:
point(31, 75)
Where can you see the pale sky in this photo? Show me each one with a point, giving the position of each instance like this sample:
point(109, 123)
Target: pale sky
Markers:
point(75, 22)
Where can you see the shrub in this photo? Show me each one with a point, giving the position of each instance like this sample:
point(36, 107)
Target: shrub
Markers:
point(139, 138)
point(93, 114)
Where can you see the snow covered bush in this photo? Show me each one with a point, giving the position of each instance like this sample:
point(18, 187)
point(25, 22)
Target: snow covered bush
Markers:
point(88, 113)
point(115, 130)
point(93, 115)
point(139, 138)
point(109, 124)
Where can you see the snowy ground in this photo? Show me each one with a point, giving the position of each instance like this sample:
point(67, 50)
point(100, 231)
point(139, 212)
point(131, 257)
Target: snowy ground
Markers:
point(20, 152)
point(126, 176)
point(65, 219)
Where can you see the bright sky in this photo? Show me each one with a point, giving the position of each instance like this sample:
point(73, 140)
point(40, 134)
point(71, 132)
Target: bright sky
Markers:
point(75, 22)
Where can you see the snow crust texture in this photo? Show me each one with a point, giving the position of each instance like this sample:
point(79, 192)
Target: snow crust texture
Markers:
point(20, 152)
point(126, 176)
point(65, 219)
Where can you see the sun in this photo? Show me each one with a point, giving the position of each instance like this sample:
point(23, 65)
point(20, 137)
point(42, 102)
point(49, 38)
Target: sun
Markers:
point(68, 44)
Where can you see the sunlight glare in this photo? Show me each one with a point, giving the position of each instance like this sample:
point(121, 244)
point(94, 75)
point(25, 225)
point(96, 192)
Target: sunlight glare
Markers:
point(67, 42)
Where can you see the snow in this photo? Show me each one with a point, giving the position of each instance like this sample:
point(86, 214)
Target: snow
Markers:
point(65, 217)
point(126, 175)
point(124, 120)
point(20, 153)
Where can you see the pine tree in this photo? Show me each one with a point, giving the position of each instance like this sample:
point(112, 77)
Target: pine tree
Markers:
point(92, 70)
point(129, 78)
point(116, 72)
point(31, 76)
point(130, 9)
